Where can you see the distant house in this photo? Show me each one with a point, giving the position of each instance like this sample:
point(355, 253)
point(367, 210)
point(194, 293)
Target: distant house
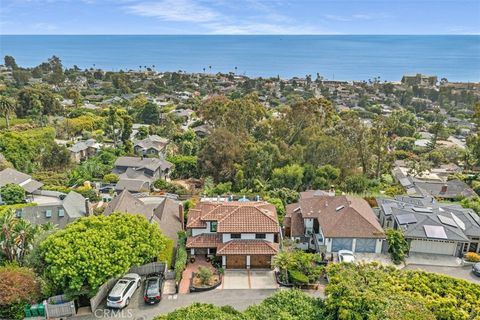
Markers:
point(12, 176)
point(201, 131)
point(165, 212)
point(430, 226)
point(151, 145)
point(324, 222)
point(56, 208)
point(137, 174)
point(185, 114)
point(245, 234)
point(434, 183)
point(83, 150)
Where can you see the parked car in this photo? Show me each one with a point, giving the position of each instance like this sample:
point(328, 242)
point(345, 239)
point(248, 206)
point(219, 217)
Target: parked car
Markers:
point(153, 288)
point(476, 269)
point(346, 256)
point(123, 291)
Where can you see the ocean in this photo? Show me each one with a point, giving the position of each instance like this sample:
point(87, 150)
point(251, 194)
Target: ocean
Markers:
point(342, 57)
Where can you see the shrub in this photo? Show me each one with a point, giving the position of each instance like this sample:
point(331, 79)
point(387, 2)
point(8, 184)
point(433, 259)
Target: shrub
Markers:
point(170, 187)
point(18, 286)
point(12, 193)
point(356, 184)
point(472, 257)
point(57, 188)
point(167, 254)
point(181, 258)
point(298, 278)
point(205, 275)
point(110, 178)
point(397, 245)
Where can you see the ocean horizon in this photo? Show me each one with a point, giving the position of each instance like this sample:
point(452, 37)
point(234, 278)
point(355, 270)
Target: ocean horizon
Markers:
point(334, 57)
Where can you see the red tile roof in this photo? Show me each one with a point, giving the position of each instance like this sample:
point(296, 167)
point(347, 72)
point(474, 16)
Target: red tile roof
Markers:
point(237, 217)
point(248, 247)
point(204, 241)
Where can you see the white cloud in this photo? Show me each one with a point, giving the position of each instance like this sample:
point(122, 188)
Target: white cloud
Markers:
point(176, 10)
point(347, 18)
point(263, 18)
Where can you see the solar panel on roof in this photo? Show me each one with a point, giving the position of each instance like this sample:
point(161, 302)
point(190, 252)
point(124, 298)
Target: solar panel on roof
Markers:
point(447, 221)
point(406, 218)
point(458, 221)
point(474, 217)
point(423, 210)
point(437, 232)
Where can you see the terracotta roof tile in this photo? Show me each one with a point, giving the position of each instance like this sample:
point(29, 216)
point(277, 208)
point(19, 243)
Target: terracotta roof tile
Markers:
point(238, 217)
point(204, 241)
point(250, 247)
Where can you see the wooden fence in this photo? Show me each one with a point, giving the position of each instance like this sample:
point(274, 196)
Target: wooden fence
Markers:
point(59, 307)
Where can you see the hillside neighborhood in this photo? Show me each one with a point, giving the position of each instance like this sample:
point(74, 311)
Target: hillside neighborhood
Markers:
point(231, 190)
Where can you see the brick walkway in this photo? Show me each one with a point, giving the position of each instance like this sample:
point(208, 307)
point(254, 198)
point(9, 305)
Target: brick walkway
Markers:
point(187, 273)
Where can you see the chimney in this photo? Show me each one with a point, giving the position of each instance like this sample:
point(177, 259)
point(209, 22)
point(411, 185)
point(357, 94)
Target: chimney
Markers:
point(444, 188)
point(181, 215)
point(87, 207)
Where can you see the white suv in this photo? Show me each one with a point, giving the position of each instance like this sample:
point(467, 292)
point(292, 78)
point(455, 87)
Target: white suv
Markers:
point(346, 256)
point(123, 290)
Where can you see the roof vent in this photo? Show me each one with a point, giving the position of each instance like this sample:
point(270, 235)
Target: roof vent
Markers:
point(339, 208)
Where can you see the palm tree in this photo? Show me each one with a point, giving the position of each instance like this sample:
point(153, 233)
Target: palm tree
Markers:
point(7, 106)
point(24, 233)
point(283, 261)
point(7, 244)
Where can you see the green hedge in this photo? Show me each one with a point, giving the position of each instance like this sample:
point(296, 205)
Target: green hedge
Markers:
point(167, 254)
point(298, 277)
point(181, 258)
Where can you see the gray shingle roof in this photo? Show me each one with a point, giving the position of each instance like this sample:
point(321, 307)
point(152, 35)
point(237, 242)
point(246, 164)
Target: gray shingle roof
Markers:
point(163, 211)
point(13, 176)
point(426, 212)
point(138, 162)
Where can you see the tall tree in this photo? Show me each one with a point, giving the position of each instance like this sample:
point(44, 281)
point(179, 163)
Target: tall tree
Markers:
point(379, 143)
point(7, 106)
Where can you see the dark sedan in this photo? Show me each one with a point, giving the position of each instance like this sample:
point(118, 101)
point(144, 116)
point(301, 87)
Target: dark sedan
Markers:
point(153, 289)
point(476, 269)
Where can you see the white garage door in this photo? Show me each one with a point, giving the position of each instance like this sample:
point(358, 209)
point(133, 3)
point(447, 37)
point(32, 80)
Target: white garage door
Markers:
point(438, 247)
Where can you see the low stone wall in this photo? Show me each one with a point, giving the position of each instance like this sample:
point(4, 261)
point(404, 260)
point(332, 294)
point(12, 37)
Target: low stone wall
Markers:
point(202, 289)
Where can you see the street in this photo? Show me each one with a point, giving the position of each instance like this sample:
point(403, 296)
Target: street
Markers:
point(239, 299)
point(456, 272)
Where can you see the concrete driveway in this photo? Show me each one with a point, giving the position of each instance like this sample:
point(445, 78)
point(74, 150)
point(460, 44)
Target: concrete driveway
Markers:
point(249, 279)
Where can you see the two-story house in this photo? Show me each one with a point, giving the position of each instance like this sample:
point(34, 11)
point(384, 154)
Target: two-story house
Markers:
point(137, 174)
point(83, 150)
point(152, 146)
point(430, 226)
point(327, 223)
point(246, 234)
point(57, 208)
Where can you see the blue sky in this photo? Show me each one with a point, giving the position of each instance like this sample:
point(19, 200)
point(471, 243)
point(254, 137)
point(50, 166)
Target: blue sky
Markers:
point(239, 17)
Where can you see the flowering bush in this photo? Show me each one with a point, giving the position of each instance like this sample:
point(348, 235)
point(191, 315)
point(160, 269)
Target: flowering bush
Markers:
point(472, 257)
